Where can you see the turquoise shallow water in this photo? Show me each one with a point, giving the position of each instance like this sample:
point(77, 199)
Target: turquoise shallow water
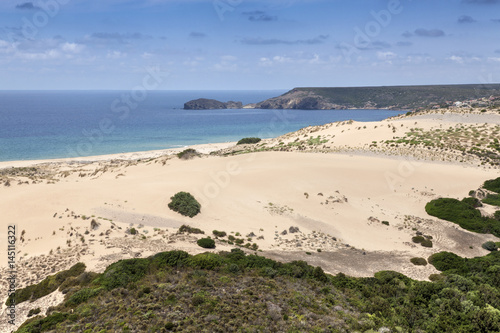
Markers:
point(60, 124)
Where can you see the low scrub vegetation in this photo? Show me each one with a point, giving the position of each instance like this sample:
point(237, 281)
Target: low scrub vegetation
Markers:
point(492, 199)
point(490, 246)
point(188, 154)
point(418, 261)
point(249, 141)
point(184, 203)
point(206, 243)
point(232, 291)
point(47, 286)
point(190, 230)
point(219, 233)
point(463, 214)
point(492, 185)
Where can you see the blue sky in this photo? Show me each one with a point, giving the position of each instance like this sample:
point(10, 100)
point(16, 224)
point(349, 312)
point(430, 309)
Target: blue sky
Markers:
point(247, 44)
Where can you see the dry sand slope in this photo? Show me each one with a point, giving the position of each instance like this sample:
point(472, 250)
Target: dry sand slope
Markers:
point(337, 200)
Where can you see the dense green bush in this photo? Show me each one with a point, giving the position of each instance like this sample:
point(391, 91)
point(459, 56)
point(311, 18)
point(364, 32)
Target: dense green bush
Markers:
point(206, 261)
point(492, 199)
point(133, 231)
point(473, 202)
point(83, 295)
point(462, 213)
point(497, 215)
point(123, 272)
point(417, 239)
point(219, 233)
point(184, 203)
point(188, 154)
point(206, 243)
point(490, 246)
point(492, 185)
point(170, 259)
point(190, 230)
point(426, 243)
point(249, 141)
point(418, 261)
point(452, 210)
point(444, 261)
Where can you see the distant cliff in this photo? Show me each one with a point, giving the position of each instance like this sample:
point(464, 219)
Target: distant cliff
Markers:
point(393, 97)
point(211, 104)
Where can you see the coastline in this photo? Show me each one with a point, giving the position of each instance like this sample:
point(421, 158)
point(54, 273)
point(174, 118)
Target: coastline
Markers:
point(205, 148)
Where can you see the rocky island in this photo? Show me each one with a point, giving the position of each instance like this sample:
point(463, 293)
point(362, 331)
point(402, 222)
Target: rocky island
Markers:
point(211, 104)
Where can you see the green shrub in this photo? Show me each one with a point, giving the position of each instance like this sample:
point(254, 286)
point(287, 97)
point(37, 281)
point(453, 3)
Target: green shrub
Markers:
point(444, 261)
point(248, 141)
point(82, 296)
point(206, 261)
point(451, 210)
point(33, 312)
point(490, 246)
point(188, 154)
point(492, 185)
point(133, 231)
point(184, 203)
point(426, 243)
point(418, 261)
point(206, 243)
point(170, 259)
point(417, 239)
point(497, 215)
point(492, 199)
point(121, 273)
point(473, 202)
point(219, 233)
point(385, 222)
point(463, 214)
point(185, 228)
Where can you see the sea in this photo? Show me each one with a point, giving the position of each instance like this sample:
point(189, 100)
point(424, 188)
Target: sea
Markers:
point(62, 124)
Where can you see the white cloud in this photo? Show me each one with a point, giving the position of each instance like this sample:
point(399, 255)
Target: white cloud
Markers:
point(386, 55)
point(457, 59)
point(72, 47)
point(116, 55)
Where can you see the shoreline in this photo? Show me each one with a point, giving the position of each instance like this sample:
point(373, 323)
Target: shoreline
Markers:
point(204, 148)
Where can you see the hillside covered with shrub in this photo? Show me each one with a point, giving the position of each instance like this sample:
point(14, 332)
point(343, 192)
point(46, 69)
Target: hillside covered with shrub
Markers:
point(236, 292)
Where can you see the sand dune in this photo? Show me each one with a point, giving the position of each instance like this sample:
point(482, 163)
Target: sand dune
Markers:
point(337, 200)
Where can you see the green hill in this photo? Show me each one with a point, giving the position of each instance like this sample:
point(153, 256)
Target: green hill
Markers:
point(394, 97)
point(235, 292)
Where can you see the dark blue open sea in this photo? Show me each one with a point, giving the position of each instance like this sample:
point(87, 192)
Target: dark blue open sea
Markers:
point(59, 124)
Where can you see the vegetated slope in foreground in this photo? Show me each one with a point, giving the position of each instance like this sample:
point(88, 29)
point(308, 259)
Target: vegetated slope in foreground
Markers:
point(393, 97)
point(465, 212)
point(231, 291)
